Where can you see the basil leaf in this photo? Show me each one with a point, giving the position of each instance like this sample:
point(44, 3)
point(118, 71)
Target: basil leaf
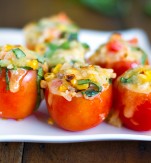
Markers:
point(73, 36)
point(91, 93)
point(144, 56)
point(51, 50)
point(124, 80)
point(83, 81)
point(7, 80)
point(18, 53)
point(85, 45)
point(40, 72)
point(65, 45)
point(88, 81)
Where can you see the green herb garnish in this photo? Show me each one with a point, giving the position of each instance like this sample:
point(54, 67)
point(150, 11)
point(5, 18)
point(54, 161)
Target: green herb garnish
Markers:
point(125, 80)
point(73, 36)
point(7, 80)
point(85, 45)
point(144, 56)
point(65, 45)
point(18, 53)
point(90, 92)
point(40, 74)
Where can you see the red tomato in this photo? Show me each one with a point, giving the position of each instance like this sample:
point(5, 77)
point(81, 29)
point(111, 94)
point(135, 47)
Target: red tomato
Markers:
point(134, 108)
point(80, 113)
point(120, 67)
point(114, 46)
point(22, 103)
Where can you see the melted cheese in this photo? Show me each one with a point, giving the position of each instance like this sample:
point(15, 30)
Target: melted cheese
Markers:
point(15, 79)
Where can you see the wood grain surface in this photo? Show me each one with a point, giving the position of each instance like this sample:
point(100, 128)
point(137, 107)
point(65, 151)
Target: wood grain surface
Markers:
point(17, 13)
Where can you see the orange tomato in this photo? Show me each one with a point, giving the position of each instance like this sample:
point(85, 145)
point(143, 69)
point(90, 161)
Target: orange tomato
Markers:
point(22, 103)
point(79, 113)
point(134, 108)
point(120, 67)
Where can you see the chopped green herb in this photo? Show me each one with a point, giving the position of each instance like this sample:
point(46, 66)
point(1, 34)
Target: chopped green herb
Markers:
point(73, 36)
point(51, 49)
point(18, 53)
point(26, 67)
point(40, 74)
point(124, 80)
point(85, 45)
point(144, 56)
point(110, 81)
point(7, 80)
point(83, 81)
point(91, 93)
point(41, 59)
point(65, 45)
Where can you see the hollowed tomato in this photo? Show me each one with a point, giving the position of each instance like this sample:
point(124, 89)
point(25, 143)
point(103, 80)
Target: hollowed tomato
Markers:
point(79, 113)
point(20, 104)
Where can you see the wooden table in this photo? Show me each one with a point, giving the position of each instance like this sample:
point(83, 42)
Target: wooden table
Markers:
point(17, 13)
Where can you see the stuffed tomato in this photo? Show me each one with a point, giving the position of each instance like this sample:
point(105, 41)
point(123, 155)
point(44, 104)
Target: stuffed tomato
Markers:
point(119, 54)
point(20, 75)
point(63, 51)
point(133, 98)
point(78, 97)
point(50, 29)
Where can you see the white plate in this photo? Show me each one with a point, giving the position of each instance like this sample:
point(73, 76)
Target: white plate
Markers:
point(36, 129)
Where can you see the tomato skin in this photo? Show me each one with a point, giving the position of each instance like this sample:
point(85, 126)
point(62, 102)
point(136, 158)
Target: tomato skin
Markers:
point(79, 113)
point(20, 104)
point(120, 67)
point(140, 103)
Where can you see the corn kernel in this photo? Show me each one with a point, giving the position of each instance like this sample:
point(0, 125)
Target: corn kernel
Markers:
point(148, 74)
point(33, 64)
point(50, 121)
point(92, 78)
point(143, 77)
point(57, 68)
point(40, 48)
point(73, 82)
point(62, 88)
point(82, 87)
point(49, 76)
point(8, 47)
point(45, 67)
point(61, 27)
point(43, 84)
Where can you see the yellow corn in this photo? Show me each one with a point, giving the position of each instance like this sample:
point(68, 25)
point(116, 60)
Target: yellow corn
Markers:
point(142, 77)
point(49, 76)
point(92, 78)
point(33, 64)
point(40, 48)
point(61, 27)
point(50, 121)
point(45, 67)
point(43, 84)
point(82, 87)
point(57, 68)
point(148, 74)
point(73, 82)
point(62, 88)
point(8, 47)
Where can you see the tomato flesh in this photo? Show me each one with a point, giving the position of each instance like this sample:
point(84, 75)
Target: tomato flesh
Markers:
point(140, 105)
point(20, 104)
point(79, 113)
